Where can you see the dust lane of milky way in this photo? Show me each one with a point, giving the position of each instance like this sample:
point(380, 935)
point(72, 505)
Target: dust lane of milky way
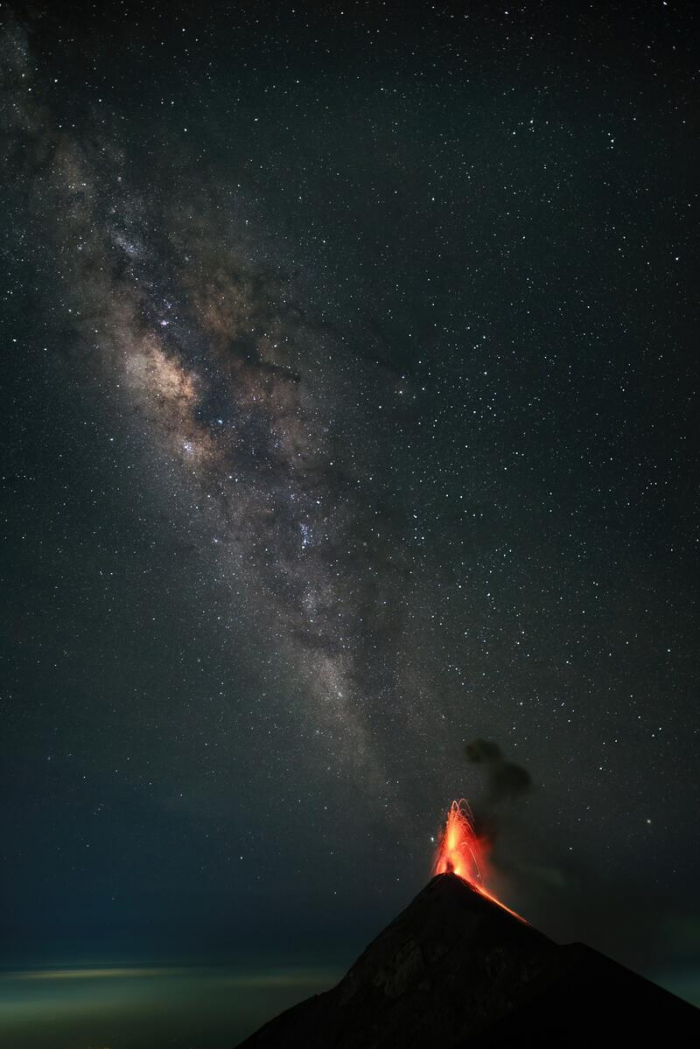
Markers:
point(238, 387)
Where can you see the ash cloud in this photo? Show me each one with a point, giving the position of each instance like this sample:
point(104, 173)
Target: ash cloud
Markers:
point(505, 781)
point(564, 897)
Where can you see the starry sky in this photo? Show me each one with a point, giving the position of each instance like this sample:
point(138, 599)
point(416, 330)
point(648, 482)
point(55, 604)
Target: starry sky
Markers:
point(348, 417)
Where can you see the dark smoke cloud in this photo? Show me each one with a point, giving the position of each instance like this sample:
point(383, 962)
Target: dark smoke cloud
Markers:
point(561, 896)
point(505, 781)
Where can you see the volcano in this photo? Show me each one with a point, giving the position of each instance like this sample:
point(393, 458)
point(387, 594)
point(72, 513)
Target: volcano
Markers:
point(457, 970)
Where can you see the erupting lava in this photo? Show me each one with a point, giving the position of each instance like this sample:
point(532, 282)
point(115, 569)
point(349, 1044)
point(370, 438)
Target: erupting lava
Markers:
point(461, 852)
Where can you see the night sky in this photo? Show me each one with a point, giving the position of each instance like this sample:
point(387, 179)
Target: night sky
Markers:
point(349, 412)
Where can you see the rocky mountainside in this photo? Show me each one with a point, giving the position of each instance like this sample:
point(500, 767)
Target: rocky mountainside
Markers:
point(455, 970)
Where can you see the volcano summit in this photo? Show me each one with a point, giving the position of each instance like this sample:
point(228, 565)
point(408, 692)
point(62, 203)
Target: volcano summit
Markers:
point(457, 970)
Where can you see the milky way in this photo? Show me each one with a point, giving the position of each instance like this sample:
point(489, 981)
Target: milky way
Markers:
point(240, 391)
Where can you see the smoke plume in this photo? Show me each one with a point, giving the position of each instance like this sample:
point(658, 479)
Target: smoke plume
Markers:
point(505, 781)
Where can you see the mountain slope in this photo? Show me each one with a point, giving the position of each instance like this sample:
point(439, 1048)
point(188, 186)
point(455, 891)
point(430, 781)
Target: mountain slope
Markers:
point(455, 970)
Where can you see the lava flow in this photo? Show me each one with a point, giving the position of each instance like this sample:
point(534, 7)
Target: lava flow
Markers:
point(462, 853)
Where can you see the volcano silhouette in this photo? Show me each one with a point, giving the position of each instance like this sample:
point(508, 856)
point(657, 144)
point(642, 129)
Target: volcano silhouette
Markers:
point(456, 971)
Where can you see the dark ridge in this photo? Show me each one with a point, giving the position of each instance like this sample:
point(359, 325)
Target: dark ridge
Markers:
point(455, 970)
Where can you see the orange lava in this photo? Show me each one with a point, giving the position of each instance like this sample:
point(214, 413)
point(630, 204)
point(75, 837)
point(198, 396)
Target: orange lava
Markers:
point(461, 852)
